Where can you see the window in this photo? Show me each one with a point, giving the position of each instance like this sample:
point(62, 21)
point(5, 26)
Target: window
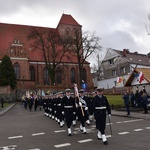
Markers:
point(32, 73)
point(122, 70)
point(58, 75)
point(72, 73)
point(46, 77)
point(17, 70)
point(67, 31)
point(114, 72)
point(84, 75)
point(111, 61)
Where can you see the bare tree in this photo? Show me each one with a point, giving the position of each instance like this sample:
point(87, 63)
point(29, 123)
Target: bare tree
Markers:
point(83, 46)
point(52, 46)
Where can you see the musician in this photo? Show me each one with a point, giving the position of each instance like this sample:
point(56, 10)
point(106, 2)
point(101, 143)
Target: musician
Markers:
point(82, 110)
point(68, 104)
point(101, 105)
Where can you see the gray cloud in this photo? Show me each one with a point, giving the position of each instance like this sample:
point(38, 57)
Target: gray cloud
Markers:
point(120, 24)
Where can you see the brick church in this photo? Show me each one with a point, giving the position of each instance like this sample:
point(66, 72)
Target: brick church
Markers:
point(29, 64)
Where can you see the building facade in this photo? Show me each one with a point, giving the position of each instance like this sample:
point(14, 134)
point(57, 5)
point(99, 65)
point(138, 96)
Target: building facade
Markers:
point(120, 64)
point(29, 64)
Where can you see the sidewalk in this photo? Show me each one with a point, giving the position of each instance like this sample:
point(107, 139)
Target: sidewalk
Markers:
point(5, 109)
point(135, 113)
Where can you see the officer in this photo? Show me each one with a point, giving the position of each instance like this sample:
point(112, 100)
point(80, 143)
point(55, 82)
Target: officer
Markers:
point(101, 105)
point(82, 110)
point(68, 104)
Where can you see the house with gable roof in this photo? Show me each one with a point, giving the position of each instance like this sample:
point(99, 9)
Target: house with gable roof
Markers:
point(29, 65)
point(117, 63)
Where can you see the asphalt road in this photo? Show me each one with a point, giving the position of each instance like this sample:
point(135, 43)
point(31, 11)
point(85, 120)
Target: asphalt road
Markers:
point(21, 129)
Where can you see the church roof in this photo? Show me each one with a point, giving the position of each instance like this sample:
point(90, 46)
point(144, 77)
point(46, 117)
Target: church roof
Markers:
point(68, 19)
point(9, 32)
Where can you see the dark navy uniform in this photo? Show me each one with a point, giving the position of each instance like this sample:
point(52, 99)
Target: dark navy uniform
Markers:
point(101, 105)
point(68, 104)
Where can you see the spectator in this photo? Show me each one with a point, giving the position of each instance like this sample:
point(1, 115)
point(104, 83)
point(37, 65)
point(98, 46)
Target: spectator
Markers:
point(144, 102)
point(126, 102)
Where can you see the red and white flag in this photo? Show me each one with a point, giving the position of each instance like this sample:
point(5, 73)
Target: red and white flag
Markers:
point(141, 77)
point(119, 80)
point(76, 93)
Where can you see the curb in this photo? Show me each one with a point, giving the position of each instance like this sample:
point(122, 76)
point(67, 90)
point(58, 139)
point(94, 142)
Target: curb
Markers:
point(7, 109)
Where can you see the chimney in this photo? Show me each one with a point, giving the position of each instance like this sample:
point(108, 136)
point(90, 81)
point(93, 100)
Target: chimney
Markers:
point(124, 52)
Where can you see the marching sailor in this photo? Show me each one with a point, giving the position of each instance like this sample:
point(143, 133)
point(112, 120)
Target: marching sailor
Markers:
point(101, 105)
point(68, 104)
point(82, 110)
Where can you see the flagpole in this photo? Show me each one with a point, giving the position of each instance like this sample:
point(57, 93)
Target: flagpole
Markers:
point(77, 94)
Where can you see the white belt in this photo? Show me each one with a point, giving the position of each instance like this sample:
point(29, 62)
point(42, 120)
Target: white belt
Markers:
point(58, 104)
point(100, 107)
point(68, 106)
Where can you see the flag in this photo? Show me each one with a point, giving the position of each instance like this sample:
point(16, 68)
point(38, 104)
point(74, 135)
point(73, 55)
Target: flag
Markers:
point(119, 80)
point(76, 90)
point(141, 77)
point(136, 75)
point(48, 92)
point(43, 93)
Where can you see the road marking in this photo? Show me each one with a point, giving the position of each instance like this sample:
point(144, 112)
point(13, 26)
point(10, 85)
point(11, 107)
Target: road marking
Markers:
point(15, 137)
point(84, 141)
point(62, 145)
point(10, 147)
point(122, 133)
point(118, 122)
point(147, 128)
point(132, 120)
point(108, 136)
point(107, 124)
point(35, 134)
point(138, 129)
point(58, 131)
point(35, 149)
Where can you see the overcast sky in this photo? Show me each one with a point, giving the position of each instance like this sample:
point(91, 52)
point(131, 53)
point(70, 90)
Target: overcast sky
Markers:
point(120, 24)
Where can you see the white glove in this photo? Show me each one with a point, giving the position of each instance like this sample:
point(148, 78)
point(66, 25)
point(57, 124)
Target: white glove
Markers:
point(55, 112)
point(80, 104)
point(63, 113)
point(86, 108)
point(109, 115)
point(76, 105)
point(74, 113)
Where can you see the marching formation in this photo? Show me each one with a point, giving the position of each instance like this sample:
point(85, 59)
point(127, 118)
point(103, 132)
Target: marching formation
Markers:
point(68, 108)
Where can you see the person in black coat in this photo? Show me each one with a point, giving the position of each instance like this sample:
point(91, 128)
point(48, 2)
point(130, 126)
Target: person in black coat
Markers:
point(101, 105)
point(82, 110)
point(68, 104)
point(144, 102)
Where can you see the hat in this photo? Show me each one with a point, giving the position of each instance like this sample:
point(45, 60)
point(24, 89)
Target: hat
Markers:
point(61, 93)
point(81, 91)
point(67, 90)
point(99, 89)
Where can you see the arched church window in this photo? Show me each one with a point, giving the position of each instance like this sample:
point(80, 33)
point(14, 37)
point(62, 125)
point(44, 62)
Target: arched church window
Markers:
point(46, 77)
point(58, 75)
point(72, 74)
point(32, 73)
point(17, 70)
